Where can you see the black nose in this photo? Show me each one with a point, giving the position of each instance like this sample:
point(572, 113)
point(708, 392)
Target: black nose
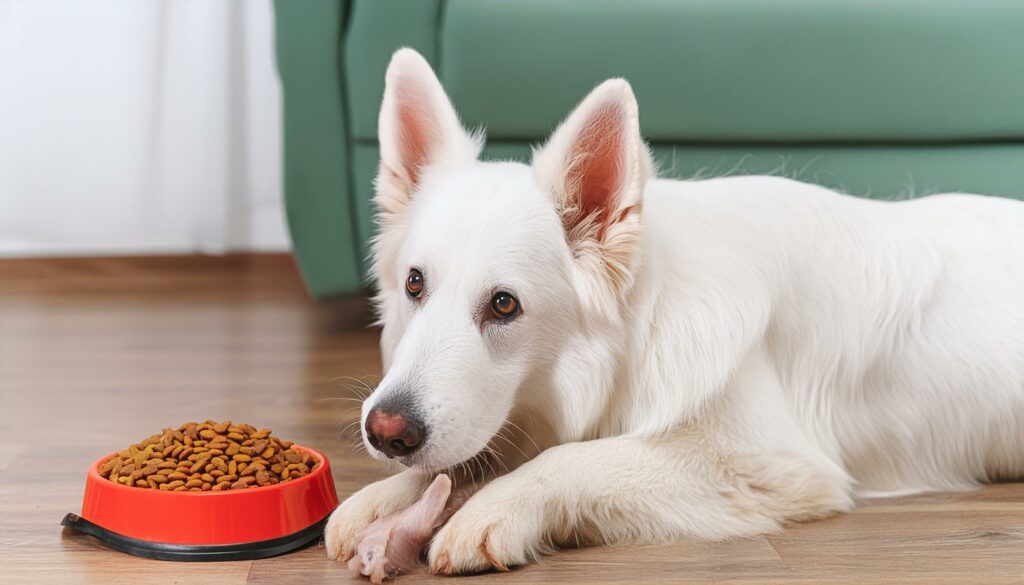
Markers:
point(394, 434)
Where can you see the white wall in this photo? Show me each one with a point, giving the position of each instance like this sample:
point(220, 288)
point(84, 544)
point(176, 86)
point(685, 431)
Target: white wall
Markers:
point(139, 126)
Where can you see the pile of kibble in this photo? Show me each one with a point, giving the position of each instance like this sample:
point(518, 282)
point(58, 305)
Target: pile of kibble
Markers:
point(209, 456)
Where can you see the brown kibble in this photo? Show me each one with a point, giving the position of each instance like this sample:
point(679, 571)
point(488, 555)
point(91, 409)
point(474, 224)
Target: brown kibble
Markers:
point(140, 457)
point(108, 466)
point(263, 477)
point(243, 482)
point(208, 456)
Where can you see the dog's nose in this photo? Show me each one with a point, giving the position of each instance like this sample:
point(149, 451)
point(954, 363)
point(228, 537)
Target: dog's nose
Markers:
point(393, 434)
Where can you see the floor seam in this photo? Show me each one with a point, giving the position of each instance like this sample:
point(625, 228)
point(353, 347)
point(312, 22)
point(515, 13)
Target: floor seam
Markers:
point(778, 554)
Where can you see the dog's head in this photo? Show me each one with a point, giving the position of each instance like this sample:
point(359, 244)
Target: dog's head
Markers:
point(487, 270)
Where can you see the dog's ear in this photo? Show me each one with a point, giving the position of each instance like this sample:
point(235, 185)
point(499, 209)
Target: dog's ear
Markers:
point(417, 129)
point(595, 165)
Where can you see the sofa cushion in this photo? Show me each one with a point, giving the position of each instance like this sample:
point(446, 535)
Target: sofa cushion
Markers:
point(744, 70)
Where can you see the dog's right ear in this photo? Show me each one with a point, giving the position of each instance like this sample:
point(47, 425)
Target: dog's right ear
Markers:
point(418, 129)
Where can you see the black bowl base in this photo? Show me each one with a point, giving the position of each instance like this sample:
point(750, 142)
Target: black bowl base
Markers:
point(245, 551)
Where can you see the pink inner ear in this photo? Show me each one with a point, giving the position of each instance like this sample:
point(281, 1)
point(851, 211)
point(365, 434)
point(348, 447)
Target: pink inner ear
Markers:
point(597, 172)
point(417, 132)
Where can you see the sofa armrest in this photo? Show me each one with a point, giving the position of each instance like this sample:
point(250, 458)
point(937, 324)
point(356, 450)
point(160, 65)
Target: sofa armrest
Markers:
point(317, 184)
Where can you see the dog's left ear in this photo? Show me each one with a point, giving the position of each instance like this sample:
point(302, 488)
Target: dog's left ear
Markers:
point(596, 165)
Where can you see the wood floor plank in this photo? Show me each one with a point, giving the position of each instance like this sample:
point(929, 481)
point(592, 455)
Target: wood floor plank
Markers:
point(98, 353)
point(678, 563)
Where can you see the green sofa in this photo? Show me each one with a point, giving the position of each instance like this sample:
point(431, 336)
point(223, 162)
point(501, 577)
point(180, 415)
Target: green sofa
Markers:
point(876, 98)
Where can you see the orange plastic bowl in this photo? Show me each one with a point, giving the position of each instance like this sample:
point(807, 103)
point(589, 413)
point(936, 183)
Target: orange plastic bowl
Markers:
point(253, 523)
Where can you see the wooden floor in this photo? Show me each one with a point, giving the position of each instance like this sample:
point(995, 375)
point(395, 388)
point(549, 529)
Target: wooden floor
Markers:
point(95, 354)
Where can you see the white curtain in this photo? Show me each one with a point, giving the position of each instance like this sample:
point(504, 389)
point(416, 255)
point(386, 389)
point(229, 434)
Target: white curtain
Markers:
point(138, 126)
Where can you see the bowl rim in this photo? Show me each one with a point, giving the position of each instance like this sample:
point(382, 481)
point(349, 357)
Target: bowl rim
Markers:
point(94, 474)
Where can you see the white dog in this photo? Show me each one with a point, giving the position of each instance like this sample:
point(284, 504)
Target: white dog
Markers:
point(629, 359)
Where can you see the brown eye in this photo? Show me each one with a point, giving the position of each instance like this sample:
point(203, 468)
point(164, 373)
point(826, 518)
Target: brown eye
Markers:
point(414, 283)
point(504, 305)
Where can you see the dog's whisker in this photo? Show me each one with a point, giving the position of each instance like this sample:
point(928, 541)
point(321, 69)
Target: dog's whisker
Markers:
point(338, 398)
point(501, 436)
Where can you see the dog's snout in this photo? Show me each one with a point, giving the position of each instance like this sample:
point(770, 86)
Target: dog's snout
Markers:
point(394, 434)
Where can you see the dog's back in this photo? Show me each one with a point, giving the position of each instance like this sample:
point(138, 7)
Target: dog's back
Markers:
point(896, 329)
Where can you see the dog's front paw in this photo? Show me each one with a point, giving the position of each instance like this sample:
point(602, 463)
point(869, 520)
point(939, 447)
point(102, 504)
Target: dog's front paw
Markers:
point(494, 529)
point(342, 530)
point(342, 534)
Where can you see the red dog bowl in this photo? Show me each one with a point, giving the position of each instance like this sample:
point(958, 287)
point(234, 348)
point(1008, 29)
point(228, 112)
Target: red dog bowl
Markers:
point(229, 525)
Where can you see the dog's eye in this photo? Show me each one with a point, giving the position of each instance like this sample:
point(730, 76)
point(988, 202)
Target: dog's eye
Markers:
point(414, 283)
point(504, 305)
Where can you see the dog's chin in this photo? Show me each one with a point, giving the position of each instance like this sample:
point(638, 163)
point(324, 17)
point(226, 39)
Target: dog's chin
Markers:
point(426, 462)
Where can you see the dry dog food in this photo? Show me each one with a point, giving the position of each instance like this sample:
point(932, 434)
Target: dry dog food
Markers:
point(209, 456)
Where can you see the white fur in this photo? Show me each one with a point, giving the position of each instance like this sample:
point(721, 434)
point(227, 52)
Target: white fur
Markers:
point(732, 355)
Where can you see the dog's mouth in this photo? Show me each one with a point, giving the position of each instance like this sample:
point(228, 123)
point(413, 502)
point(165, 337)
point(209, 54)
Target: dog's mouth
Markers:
point(424, 461)
point(506, 449)
point(430, 459)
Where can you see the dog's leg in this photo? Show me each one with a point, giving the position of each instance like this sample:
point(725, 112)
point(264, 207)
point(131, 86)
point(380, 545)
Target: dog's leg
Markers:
point(631, 490)
point(368, 504)
point(376, 501)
